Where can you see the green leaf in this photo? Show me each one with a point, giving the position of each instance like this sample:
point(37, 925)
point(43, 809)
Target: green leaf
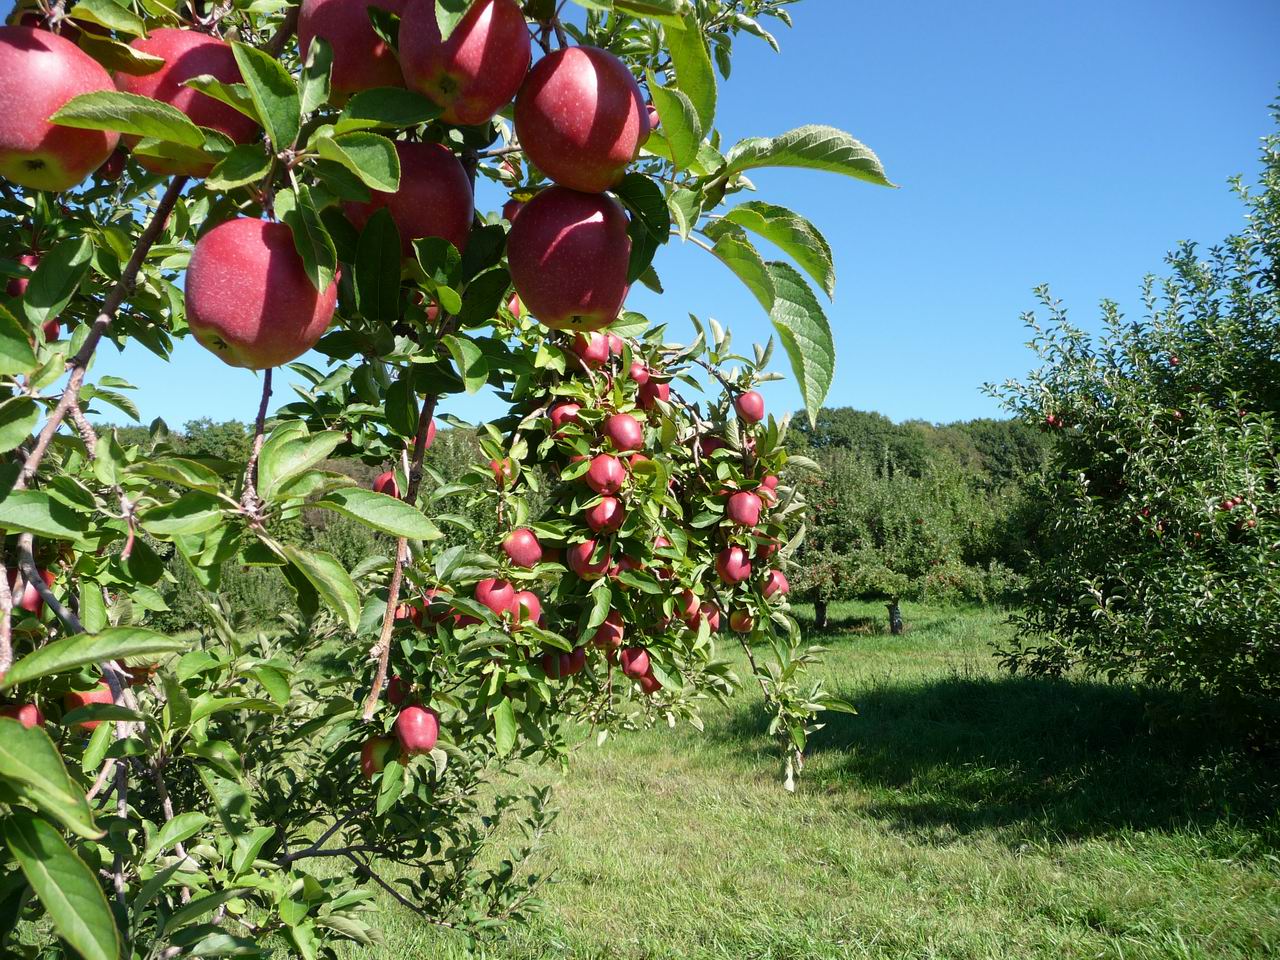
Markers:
point(185, 473)
point(449, 14)
point(310, 238)
point(198, 908)
point(391, 107)
point(18, 418)
point(315, 75)
point(381, 512)
point(30, 761)
point(182, 827)
point(285, 455)
point(246, 163)
point(16, 355)
point(472, 366)
point(234, 95)
point(735, 251)
point(805, 333)
point(680, 124)
point(504, 727)
point(248, 846)
point(107, 13)
point(330, 579)
point(274, 682)
point(33, 511)
point(81, 649)
point(377, 268)
point(273, 92)
point(795, 235)
point(814, 147)
point(694, 76)
point(67, 888)
point(650, 220)
point(370, 156)
point(129, 113)
point(192, 513)
point(57, 278)
point(117, 55)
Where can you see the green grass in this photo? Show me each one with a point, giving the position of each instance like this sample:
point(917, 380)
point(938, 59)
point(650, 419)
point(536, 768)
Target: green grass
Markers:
point(963, 813)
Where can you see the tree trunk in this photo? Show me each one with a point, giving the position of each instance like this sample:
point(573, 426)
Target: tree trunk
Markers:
point(895, 618)
point(820, 614)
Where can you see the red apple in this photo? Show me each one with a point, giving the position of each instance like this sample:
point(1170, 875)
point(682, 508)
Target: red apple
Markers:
point(498, 595)
point(417, 729)
point(651, 111)
point(504, 471)
point(688, 607)
point(568, 253)
point(386, 483)
point(767, 549)
point(39, 72)
point(27, 714)
point(744, 509)
point(581, 119)
point(522, 547)
point(639, 372)
point(740, 621)
point(650, 393)
point(511, 208)
point(373, 755)
point(750, 406)
point(709, 445)
point(562, 413)
point(606, 516)
point(17, 286)
point(635, 662)
point(112, 168)
point(438, 608)
point(711, 613)
point(430, 438)
point(733, 565)
point(248, 296)
point(361, 59)
point(410, 612)
point(528, 608)
point(606, 474)
point(592, 348)
point(188, 54)
point(30, 601)
point(76, 699)
point(434, 198)
point(777, 583)
point(649, 684)
point(397, 691)
point(770, 481)
point(579, 560)
point(474, 73)
point(608, 635)
point(624, 431)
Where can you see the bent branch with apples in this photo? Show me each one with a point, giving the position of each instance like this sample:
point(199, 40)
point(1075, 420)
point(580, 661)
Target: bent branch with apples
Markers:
point(286, 181)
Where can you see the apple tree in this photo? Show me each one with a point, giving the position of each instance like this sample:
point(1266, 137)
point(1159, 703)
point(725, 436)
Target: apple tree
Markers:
point(296, 187)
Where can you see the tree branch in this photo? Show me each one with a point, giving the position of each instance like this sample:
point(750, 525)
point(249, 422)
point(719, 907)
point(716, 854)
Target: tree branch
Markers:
point(249, 498)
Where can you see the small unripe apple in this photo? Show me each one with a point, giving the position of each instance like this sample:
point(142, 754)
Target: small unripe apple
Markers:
point(39, 72)
point(373, 755)
point(362, 60)
point(76, 699)
point(733, 565)
point(608, 635)
point(249, 299)
point(568, 253)
point(522, 547)
point(397, 691)
point(777, 583)
point(638, 372)
point(474, 73)
point(417, 729)
point(528, 608)
point(562, 413)
point(741, 622)
point(650, 393)
point(580, 562)
point(744, 509)
point(635, 662)
point(434, 198)
point(606, 516)
point(624, 431)
point(17, 286)
point(750, 406)
point(27, 714)
point(385, 483)
point(606, 474)
point(580, 118)
point(498, 595)
point(504, 471)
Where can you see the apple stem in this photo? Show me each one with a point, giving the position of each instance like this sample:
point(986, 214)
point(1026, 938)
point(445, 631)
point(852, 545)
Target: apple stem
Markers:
point(382, 649)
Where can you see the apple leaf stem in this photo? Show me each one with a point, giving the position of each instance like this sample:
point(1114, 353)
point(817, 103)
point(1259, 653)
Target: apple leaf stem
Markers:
point(382, 649)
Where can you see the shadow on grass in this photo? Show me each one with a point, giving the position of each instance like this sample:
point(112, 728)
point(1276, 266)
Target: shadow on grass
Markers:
point(1038, 760)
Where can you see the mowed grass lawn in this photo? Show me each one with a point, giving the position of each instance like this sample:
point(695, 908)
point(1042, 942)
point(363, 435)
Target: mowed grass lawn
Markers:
point(963, 813)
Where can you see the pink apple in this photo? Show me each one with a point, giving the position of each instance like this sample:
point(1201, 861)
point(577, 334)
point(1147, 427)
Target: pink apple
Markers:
point(580, 562)
point(649, 684)
point(361, 59)
point(504, 471)
point(638, 372)
point(608, 635)
point(417, 729)
point(650, 393)
point(592, 348)
point(434, 198)
point(528, 608)
point(522, 547)
point(75, 699)
point(744, 509)
point(733, 565)
point(624, 431)
point(17, 286)
point(498, 595)
point(635, 662)
point(397, 691)
point(511, 208)
point(776, 584)
point(386, 483)
point(750, 406)
point(562, 413)
point(606, 474)
point(27, 714)
point(606, 516)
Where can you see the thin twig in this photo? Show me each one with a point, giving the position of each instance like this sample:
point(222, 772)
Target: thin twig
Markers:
point(399, 897)
point(249, 499)
point(275, 46)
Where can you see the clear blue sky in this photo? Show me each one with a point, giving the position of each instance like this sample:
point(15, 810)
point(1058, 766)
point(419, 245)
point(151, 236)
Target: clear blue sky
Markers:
point(1067, 143)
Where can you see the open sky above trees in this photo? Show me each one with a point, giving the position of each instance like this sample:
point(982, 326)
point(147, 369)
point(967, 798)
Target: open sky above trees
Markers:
point(1014, 129)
